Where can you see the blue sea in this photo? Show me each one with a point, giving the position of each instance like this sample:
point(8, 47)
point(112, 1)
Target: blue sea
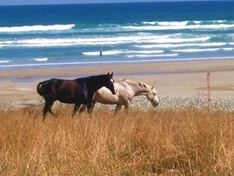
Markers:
point(74, 35)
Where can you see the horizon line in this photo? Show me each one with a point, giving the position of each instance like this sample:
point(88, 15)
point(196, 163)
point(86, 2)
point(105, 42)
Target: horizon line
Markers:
point(158, 1)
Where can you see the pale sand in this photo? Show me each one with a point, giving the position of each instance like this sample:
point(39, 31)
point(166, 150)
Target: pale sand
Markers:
point(182, 79)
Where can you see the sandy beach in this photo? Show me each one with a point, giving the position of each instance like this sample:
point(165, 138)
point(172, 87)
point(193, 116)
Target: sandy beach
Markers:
point(183, 79)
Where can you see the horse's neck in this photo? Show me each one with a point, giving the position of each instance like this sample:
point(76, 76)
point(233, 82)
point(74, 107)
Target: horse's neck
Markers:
point(139, 89)
point(94, 83)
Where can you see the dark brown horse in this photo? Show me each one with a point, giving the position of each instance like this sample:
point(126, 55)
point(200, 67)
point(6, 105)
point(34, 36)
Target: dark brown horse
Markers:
point(78, 91)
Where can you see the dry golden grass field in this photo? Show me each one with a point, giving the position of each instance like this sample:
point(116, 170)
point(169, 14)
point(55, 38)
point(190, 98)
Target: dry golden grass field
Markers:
point(151, 142)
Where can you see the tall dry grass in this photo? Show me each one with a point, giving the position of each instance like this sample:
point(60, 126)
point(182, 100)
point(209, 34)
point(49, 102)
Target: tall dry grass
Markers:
point(153, 142)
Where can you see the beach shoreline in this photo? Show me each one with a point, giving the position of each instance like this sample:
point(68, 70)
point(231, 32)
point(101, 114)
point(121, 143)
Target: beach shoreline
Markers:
point(168, 67)
point(173, 79)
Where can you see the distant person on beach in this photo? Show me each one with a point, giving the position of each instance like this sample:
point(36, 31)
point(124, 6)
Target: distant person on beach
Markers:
point(101, 50)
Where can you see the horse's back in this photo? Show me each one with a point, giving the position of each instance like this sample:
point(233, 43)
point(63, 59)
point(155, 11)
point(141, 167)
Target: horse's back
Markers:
point(104, 95)
point(59, 87)
point(125, 89)
point(70, 91)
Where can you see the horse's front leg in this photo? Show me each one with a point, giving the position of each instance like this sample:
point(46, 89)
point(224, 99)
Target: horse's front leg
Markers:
point(82, 109)
point(90, 107)
point(76, 107)
point(126, 108)
point(117, 109)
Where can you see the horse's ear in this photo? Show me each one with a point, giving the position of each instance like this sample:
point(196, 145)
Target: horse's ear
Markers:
point(110, 74)
point(152, 87)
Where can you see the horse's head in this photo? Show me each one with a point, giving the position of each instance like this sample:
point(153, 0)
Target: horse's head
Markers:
point(110, 83)
point(152, 96)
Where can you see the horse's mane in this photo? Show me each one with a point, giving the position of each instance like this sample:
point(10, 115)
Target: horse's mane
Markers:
point(130, 81)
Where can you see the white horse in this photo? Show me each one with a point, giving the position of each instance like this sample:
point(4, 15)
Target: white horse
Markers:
point(126, 89)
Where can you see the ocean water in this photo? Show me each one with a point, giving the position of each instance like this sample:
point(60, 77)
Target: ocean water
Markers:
point(73, 35)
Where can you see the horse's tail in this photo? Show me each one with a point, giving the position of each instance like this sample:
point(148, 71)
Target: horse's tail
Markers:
point(40, 89)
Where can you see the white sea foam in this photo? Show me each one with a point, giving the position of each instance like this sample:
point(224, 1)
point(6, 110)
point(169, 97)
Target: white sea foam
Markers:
point(179, 26)
point(47, 42)
point(4, 61)
point(115, 52)
point(152, 55)
point(196, 50)
point(57, 27)
point(41, 59)
point(228, 49)
point(185, 23)
point(104, 53)
point(169, 45)
point(171, 23)
point(150, 22)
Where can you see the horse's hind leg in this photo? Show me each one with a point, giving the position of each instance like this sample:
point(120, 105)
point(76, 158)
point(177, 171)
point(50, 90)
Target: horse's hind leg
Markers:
point(47, 108)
